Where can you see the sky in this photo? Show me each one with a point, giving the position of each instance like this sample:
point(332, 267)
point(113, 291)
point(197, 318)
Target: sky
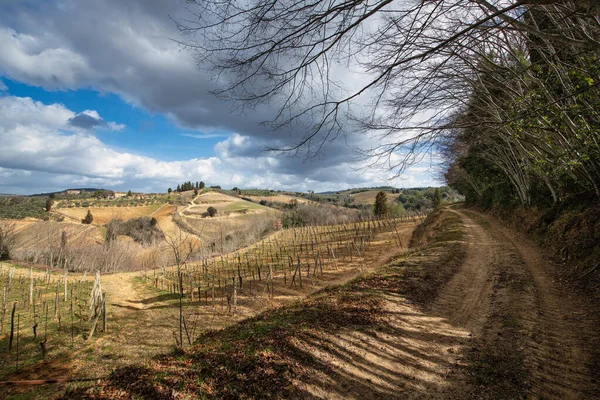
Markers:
point(98, 94)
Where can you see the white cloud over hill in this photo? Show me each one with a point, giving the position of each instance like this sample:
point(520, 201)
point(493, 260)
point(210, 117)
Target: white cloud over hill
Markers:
point(42, 150)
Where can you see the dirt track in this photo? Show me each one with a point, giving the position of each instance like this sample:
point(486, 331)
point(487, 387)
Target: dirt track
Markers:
point(501, 327)
point(547, 322)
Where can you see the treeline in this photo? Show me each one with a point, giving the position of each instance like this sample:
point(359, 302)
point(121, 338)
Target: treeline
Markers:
point(528, 134)
point(189, 185)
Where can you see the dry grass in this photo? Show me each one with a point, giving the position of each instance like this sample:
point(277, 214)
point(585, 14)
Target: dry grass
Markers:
point(368, 198)
point(280, 198)
point(214, 198)
point(103, 215)
point(40, 233)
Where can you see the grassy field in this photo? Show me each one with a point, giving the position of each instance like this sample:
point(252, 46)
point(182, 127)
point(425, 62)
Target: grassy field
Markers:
point(224, 208)
point(224, 204)
point(103, 215)
point(368, 197)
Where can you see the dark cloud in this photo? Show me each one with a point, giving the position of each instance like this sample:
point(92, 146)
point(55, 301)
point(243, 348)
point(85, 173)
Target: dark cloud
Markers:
point(126, 48)
point(85, 121)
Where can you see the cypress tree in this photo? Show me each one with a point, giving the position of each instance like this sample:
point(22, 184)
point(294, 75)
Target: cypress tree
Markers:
point(89, 218)
point(380, 206)
point(437, 198)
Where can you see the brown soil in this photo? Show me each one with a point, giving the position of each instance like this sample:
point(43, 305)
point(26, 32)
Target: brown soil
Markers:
point(501, 327)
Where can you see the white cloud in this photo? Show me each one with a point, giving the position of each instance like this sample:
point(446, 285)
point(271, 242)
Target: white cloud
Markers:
point(113, 126)
point(206, 135)
point(124, 47)
point(42, 152)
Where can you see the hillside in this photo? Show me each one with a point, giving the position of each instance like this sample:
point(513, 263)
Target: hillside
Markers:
point(473, 313)
point(367, 198)
point(145, 301)
point(103, 215)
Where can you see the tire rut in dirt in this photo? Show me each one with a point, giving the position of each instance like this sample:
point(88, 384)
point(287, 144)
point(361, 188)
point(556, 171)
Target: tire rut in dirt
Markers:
point(488, 296)
point(560, 337)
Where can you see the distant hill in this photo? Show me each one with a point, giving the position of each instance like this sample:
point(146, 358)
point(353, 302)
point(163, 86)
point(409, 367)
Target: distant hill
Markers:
point(359, 189)
point(63, 191)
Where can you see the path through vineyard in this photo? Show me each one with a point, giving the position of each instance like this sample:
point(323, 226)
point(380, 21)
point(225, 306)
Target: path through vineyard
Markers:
point(501, 327)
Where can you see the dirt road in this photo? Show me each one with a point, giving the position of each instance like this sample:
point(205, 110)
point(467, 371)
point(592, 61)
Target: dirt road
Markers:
point(499, 328)
point(540, 335)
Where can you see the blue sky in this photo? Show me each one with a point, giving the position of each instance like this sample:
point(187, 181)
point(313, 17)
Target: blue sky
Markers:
point(145, 133)
point(96, 93)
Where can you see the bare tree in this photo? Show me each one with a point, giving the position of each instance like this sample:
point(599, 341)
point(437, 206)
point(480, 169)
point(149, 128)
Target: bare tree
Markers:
point(406, 56)
point(182, 245)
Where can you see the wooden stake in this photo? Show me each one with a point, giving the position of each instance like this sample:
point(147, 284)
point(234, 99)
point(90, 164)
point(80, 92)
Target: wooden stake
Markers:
point(12, 326)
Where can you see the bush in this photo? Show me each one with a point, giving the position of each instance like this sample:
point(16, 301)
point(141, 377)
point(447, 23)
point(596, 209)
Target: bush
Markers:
point(211, 211)
point(143, 230)
point(49, 204)
point(19, 207)
point(89, 218)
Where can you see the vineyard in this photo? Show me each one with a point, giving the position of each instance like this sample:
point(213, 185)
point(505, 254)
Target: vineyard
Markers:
point(289, 261)
point(49, 315)
point(44, 313)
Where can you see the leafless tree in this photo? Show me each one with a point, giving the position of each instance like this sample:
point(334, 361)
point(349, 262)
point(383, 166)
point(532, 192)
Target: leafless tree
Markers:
point(182, 245)
point(405, 57)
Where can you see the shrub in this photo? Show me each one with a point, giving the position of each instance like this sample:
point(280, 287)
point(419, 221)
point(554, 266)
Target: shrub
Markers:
point(211, 211)
point(143, 230)
point(89, 218)
point(49, 204)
